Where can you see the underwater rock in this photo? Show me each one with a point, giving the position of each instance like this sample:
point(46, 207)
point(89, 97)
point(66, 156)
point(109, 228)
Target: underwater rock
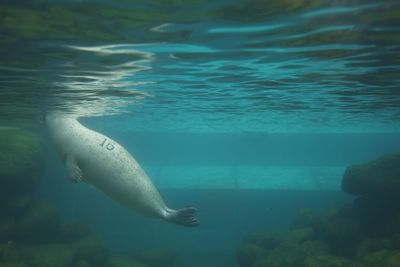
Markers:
point(33, 236)
point(8, 253)
point(247, 254)
point(370, 246)
point(299, 235)
point(14, 265)
point(380, 177)
point(92, 250)
point(328, 261)
point(82, 263)
point(315, 248)
point(124, 261)
point(89, 251)
point(157, 257)
point(395, 237)
point(378, 216)
point(70, 232)
point(304, 218)
point(268, 261)
point(40, 224)
point(286, 254)
point(283, 248)
point(48, 255)
point(342, 232)
point(7, 228)
point(21, 162)
point(383, 258)
point(36, 221)
point(265, 240)
point(343, 238)
point(17, 206)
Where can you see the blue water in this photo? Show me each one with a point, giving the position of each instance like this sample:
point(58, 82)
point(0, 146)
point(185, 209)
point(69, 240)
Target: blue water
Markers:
point(230, 66)
point(240, 183)
point(248, 110)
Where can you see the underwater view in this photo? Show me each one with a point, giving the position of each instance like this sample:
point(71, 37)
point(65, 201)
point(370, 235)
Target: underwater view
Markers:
point(230, 133)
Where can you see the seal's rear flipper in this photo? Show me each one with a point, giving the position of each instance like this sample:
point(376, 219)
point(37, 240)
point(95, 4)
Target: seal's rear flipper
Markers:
point(184, 216)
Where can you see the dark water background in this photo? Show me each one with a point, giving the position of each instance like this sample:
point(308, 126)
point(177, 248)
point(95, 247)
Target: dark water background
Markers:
point(229, 93)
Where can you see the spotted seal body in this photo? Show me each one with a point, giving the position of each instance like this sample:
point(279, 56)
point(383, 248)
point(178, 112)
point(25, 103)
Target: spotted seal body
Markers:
point(102, 162)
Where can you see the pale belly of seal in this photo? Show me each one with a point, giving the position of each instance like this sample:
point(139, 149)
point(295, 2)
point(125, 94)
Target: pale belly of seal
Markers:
point(102, 162)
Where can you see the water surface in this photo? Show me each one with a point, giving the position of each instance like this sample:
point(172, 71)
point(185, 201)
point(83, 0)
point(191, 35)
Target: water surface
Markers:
point(199, 66)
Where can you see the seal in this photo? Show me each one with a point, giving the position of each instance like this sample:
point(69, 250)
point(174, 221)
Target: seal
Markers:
point(99, 160)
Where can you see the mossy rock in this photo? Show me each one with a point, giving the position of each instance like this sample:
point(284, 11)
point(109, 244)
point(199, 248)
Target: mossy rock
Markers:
point(21, 162)
point(370, 246)
point(284, 248)
point(13, 265)
point(37, 221)
point(17, 206)
point(9, 253)
point(40, 224)
point(48, 255)
point(73, 231)
point(286, 254)
point(7, 228)
point(248, 253)
point(91, 249)
point(329, 261)
point(290, 253)
point(269, 261)
point(383, 258)
point(41, 220)
point(304, 218)
point(342, 232)
point(378, 216)
point(315, 247)
point(380, 177)
point(157, 257)
point(266, 240)
point(82, 263)
point(124, 261)
point(396, 240)
point(393, 259)
point(300, 234)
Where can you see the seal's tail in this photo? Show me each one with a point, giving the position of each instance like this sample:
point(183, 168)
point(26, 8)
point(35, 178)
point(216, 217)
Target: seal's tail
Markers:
point(184, 216)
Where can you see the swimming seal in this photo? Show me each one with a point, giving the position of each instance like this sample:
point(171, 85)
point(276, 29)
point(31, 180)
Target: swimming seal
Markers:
point(102, 162)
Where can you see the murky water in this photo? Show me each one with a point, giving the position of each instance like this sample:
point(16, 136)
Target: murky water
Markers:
point(248, 110)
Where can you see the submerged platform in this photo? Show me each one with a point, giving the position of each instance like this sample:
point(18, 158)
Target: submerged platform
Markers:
point(246, 177)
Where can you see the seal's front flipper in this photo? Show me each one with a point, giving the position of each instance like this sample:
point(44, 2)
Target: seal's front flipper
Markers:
point(75, 173)
point(184, 216)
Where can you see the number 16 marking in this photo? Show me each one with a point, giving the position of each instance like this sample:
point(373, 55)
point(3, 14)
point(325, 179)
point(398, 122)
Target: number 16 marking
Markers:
point(109, 146)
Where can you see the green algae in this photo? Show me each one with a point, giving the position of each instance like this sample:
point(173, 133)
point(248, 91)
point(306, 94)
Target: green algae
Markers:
point(157, 257)
point(329, 261)
point(124, 261)
point(40, 224)
point(22, 153)
point(89, 251)
point(21, 161)
point(248, 254)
